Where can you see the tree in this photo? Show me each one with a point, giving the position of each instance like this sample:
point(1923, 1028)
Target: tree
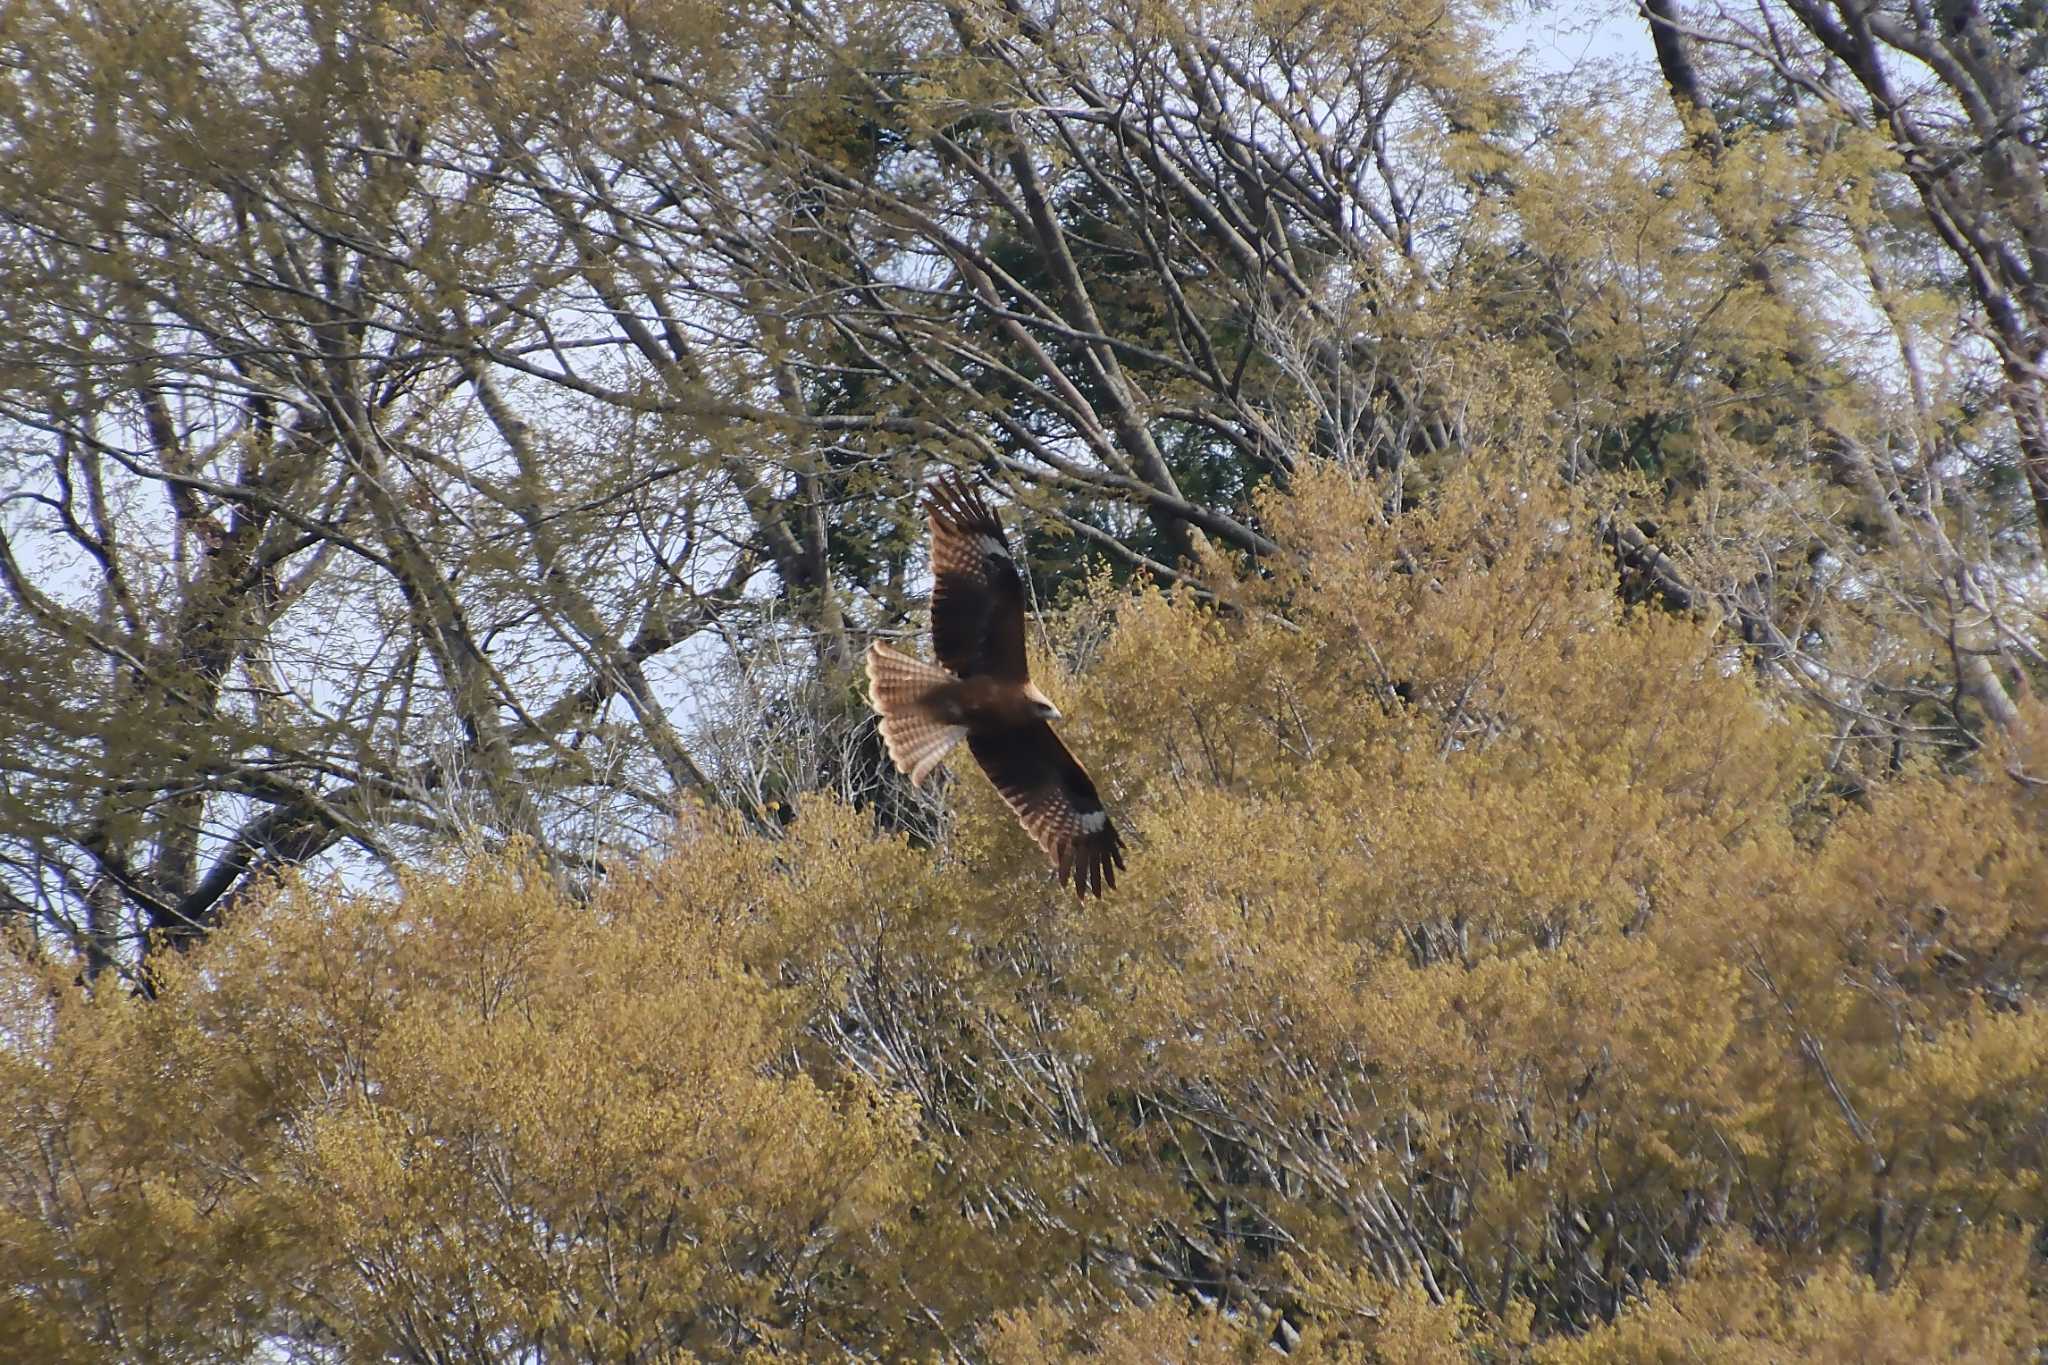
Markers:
point(309, 573)
point(1550, 581)
point(1917, 120)
point(1954, 90)
point(414, 414)
point(1488, 980)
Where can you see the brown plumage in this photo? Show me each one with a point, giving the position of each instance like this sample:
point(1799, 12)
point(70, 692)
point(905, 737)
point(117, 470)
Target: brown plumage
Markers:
point(983, 694)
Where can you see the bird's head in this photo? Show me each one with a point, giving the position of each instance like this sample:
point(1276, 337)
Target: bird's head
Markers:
point(1041, 705)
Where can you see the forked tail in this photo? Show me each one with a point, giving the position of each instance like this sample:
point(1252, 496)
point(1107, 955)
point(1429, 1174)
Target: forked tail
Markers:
point(900, 689)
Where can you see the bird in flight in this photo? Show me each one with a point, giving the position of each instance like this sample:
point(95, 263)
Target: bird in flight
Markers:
point(984, 694)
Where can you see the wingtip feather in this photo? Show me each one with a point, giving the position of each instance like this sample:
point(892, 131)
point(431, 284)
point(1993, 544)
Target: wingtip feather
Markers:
point(957, 505)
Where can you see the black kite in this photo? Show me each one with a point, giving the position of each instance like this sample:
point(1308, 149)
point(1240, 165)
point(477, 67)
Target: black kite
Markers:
point(984, 695)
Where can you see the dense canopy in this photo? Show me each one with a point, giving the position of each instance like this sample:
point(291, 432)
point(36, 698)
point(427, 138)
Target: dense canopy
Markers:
point(1545, 563)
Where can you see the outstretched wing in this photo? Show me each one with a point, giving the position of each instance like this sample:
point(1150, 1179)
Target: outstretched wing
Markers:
point(977, 598)
point(1055, 802)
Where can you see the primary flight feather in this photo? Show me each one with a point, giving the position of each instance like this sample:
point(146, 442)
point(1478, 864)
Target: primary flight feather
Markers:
point(983, 694)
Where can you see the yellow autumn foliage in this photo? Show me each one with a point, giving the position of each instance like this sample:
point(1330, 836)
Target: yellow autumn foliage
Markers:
point(1495, 978)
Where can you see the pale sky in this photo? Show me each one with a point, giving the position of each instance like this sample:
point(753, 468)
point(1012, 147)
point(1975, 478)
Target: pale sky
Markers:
point(1568, 34)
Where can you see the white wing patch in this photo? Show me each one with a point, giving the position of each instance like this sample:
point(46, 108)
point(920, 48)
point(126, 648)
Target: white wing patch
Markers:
point(993, 545)
point(1093, 821)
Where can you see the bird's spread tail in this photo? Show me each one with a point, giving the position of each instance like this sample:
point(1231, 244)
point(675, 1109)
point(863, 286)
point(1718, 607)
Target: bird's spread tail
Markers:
point(900, 688)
